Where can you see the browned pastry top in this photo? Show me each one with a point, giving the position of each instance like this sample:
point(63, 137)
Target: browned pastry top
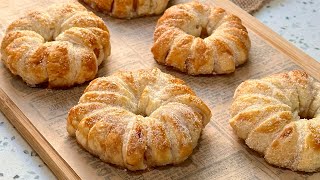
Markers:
point(279, 116)
point(200, 39)
point(138, 119)
point(129, 8)
point(61, 46)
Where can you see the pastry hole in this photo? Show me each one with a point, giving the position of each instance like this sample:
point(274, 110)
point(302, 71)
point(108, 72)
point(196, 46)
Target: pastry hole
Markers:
point(111, 7)
point(135, 5)
point(96, 52)
point(143, 114)
point(204, 33)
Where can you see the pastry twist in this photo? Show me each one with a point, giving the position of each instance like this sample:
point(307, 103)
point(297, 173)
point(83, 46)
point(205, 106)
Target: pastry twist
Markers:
point(199, 39)
point(61, 46)
point(129, 8)
point(138, 119)
point(279, 116)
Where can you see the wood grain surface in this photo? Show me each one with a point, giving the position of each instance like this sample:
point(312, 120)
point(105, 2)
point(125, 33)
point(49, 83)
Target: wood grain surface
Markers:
point(48, 154)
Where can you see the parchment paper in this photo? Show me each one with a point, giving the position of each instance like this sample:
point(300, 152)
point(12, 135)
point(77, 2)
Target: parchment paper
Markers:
point(219, 154)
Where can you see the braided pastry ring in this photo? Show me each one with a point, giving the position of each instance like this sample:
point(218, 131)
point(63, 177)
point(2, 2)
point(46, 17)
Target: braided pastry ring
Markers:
point(139, 119)
point(129, 8)
point(279, 117)
point(61, 46)
point(199, 39)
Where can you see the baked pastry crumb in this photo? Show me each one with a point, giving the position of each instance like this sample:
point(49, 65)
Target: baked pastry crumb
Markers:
point(200, 39)
point(128, 8)
point(61, 46)
point(139, 119)
point(279, 117)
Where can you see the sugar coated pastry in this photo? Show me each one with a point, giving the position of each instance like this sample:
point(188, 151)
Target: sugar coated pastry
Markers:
point(200, 39)
point(129, 8)
point(138, 119)
point(279, 116)
point(60, 46)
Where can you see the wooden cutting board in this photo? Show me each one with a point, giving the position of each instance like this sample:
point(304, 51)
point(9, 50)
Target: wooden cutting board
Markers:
point(54, 160)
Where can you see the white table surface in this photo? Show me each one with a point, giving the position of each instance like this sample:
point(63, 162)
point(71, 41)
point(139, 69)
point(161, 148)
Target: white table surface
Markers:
point(295, 20)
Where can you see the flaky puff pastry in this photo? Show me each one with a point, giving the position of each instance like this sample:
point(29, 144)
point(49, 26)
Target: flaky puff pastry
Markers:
point(200, 39)
point(279, 116)
point(61, 46)
point(138, 119)
point(129, 8)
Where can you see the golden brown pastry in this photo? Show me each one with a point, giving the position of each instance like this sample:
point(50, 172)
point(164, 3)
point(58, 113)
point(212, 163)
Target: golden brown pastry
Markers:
point(279, 116)
point(61, 46)
point(129, 8)
point(199, 39)
point(138, 119)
